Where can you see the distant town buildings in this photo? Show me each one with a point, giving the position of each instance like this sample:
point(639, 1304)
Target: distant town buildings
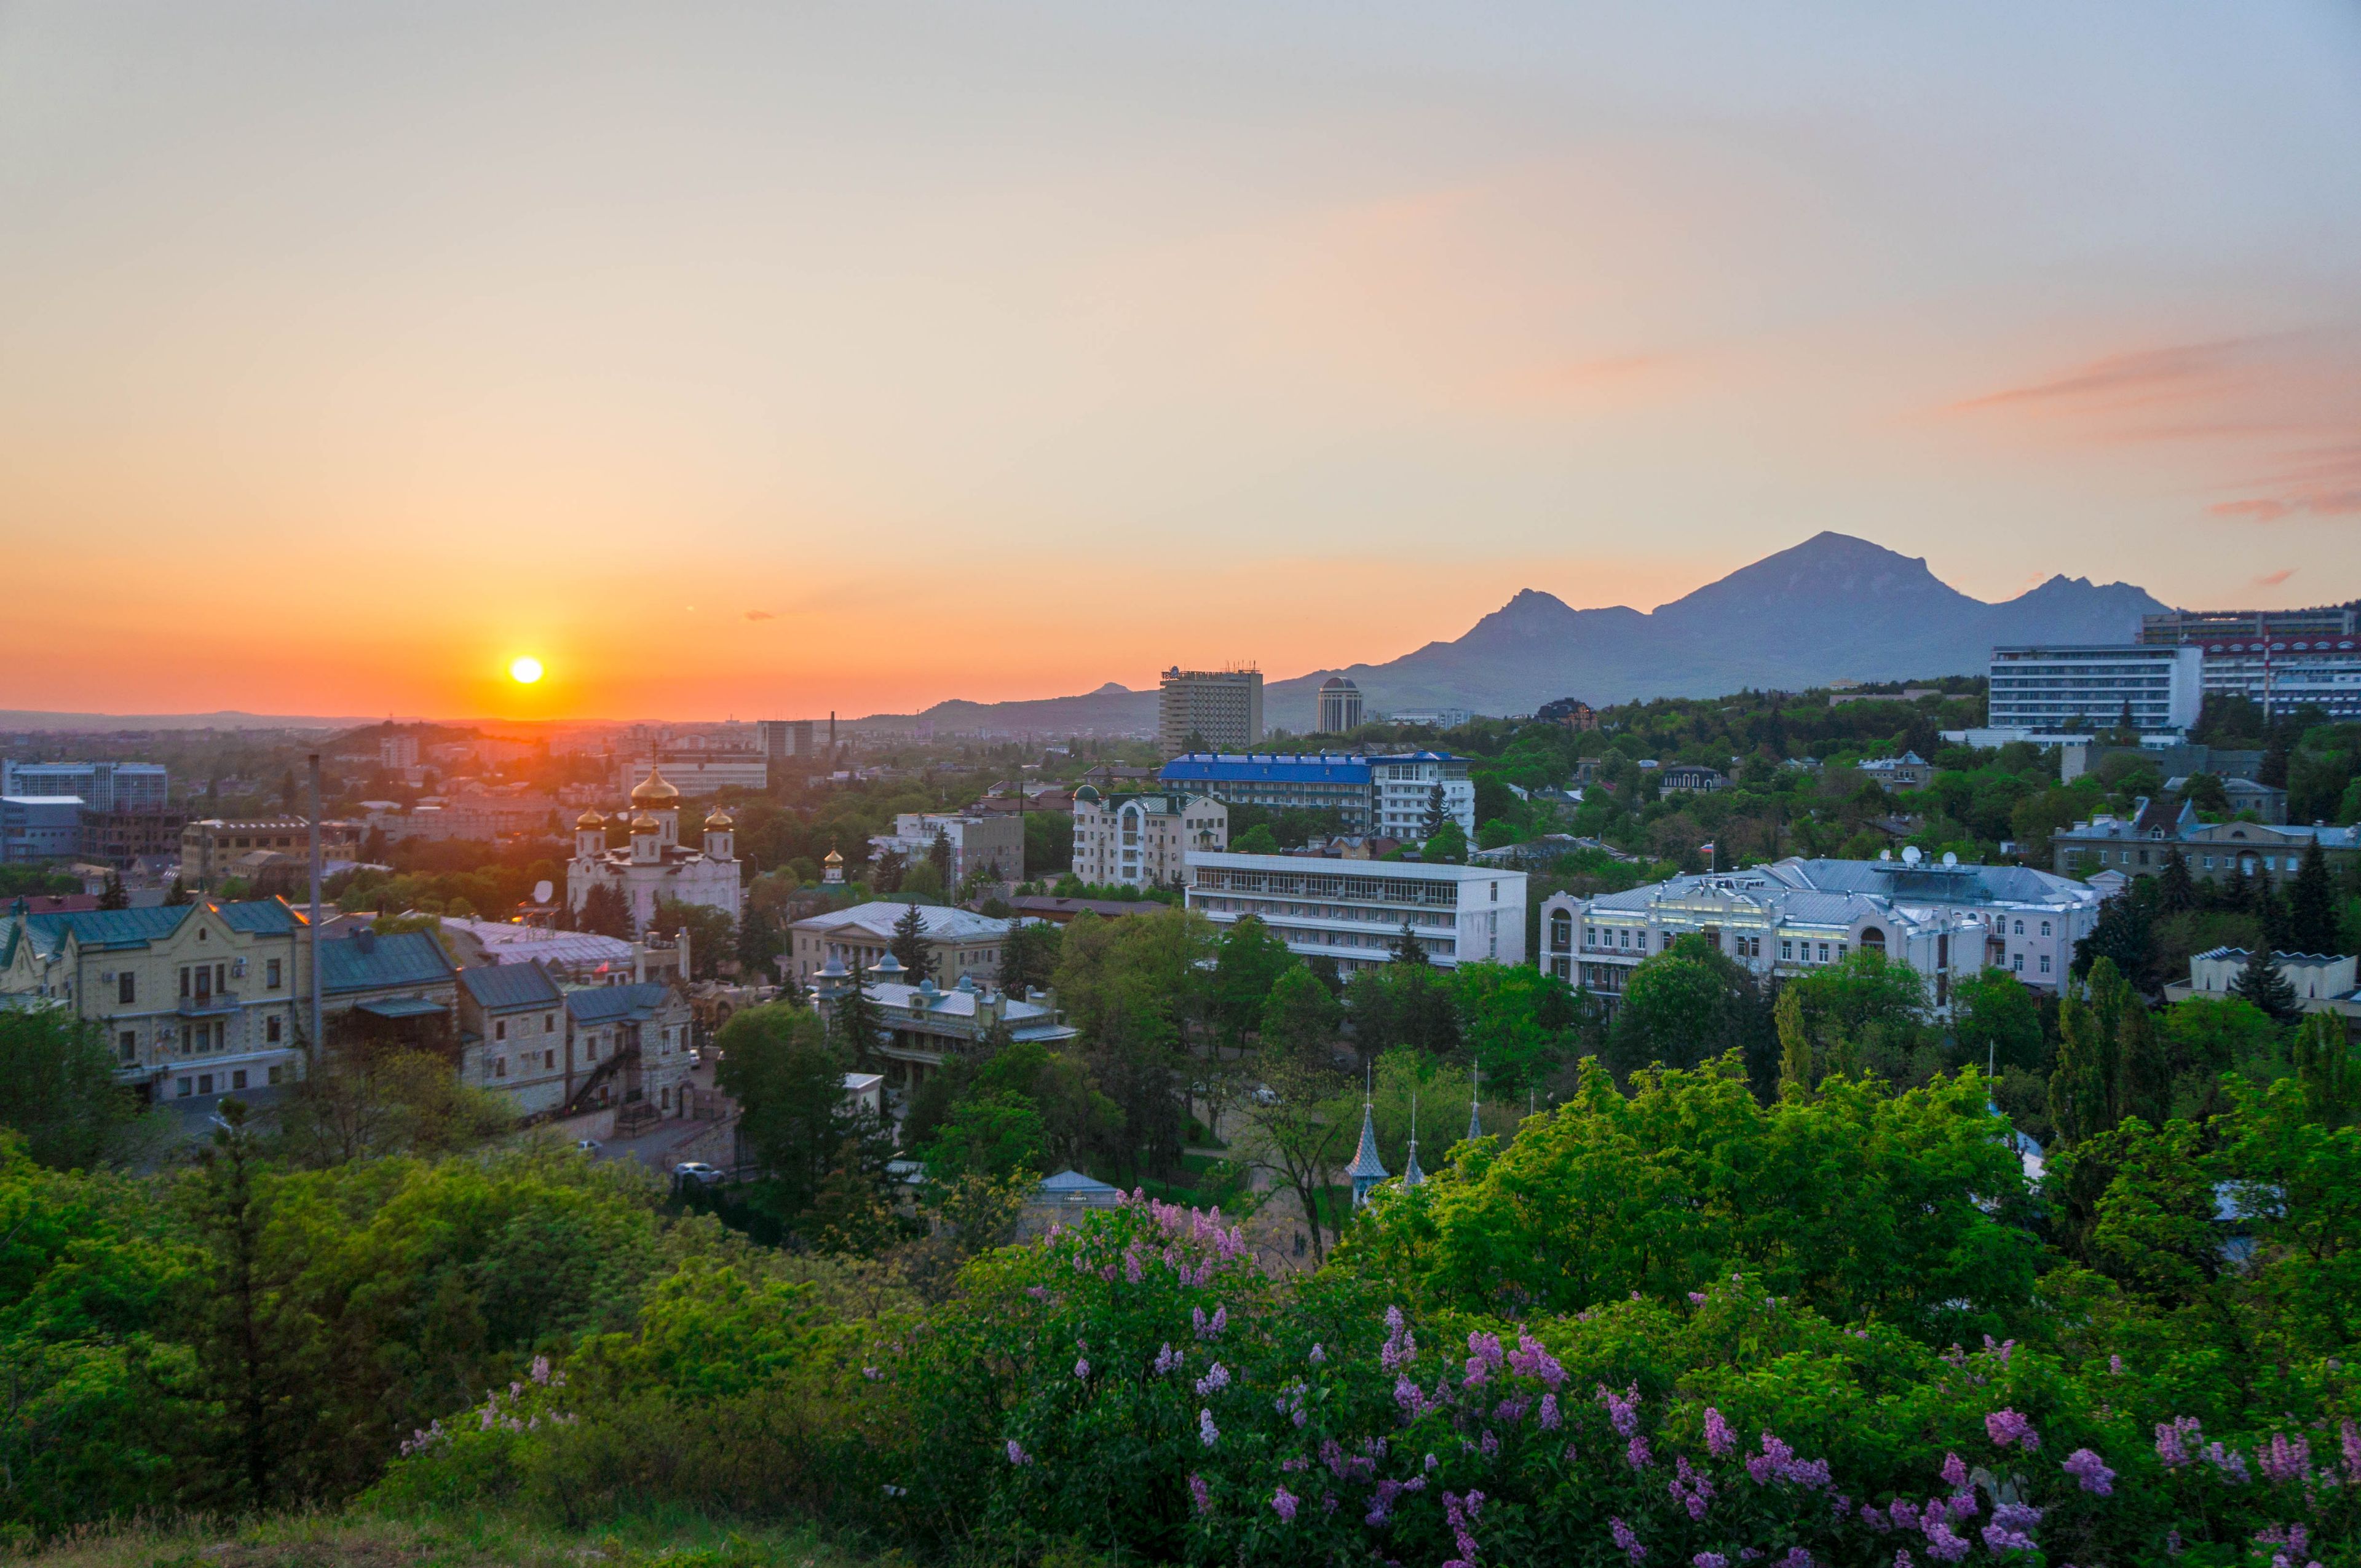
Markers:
point(2141, 843)
point(39, 827)
point(118, 811)
point(1139, 840)
point(1216, 708)
point(926, 1026)
point(2063, 691)
point(1359, 913)
point(2280, 659)
point(1945, 920)
point(1340, 706)
point(786, 738)
point(1385, 795)
point(1692, 778)
point(212, 847)
point(2322, 983)
point(1572, 712)
point(1433, 717)
point(657, 865)
point(1908, 770)
point(991, 843)
point(696, 772)
point(100, 786)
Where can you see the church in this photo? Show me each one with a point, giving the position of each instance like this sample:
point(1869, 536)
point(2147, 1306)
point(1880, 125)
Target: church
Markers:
point(657, 866)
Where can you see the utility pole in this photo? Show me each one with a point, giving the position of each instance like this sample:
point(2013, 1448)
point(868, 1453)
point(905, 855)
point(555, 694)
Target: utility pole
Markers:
point(314, 770)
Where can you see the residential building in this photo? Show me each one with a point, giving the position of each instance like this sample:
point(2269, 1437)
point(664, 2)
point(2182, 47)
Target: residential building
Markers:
point(1403, 790)
point(402, 985)
point(988, 842)
point(786, 738)
point(474, 818)
point(1221, 708)
point(1137, 840)
point(1319, 782)
point(1064, 911)
point(39, 827)
point(959, 942)
point(2267, 802)
point(210, 844)
point(632, 1051)
point(2075, 690)
point(1433, 718)
point(696, 772)
point(924, 1027)
point(1945, 920)
point(2322, 983)
point(1359, 916)
point(2205, 626)
point(1340, 706)
point(2141, 843)
point(1572, 712)
point(514, 1038)
point(123, 837)
point(2281, 659)
point(397, 752)
point(193, 999)
point(2171, 758)
point(657, 866)
point(101, 787)
point(1908, 770)
point(1692, 778)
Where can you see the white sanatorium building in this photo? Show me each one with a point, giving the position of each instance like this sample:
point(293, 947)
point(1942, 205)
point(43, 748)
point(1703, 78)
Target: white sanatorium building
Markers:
point(1457, 914)
point(1946, 921)
point(658, 865)
point(1137, 840)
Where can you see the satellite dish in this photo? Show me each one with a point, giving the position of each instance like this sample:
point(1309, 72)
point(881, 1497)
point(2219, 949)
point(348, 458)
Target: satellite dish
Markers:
point(1910, 855)
point(1951, 858)
point(542, 890)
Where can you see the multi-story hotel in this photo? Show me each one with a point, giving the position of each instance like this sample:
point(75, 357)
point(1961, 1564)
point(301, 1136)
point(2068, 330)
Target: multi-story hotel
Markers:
point(1388, 795)
point(1139, 840)
point(1220, 708)
point(2077, 690)
point(1357, 912)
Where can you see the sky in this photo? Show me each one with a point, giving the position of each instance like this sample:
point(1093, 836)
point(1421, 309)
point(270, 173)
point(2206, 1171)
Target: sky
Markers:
point(761, 360)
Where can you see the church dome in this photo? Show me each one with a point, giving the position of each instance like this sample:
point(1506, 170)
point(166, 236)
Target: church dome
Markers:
point(644, 823)
point(653, 788)
point(833, 858)
point(1088, 794)
point(590, 819)
point(719, 821)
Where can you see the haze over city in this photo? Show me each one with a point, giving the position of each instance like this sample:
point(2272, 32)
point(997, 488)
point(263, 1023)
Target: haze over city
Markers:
point(741, 360)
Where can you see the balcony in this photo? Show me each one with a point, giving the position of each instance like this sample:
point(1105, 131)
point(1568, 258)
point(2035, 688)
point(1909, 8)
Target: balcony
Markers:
point(212, 1006)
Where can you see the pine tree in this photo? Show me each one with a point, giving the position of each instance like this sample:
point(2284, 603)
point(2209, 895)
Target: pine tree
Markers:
point(2272, 912)
point(854, 1024)
point(1794, 1045)
point(2261, 984)
point(909, 944)
point(2312, 906)
point(2176, 889)
point(1430, 824)
point(178, 895)
point(115, 897)
point(245, 1357)
point(2146, 1086)
point(1407, 949)
point(940, 852)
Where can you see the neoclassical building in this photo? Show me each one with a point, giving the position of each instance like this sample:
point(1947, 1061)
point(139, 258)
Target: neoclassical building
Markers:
point(657, 866)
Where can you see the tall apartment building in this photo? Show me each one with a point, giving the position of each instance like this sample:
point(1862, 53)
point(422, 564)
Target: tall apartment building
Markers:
point(784, 738)
point(2075, 690)
point(1221, 707)
point(2280, 659)
point(1340, 706)
point(1142, 841)
point(979, 841)
point(1457, 915)
point(102, 786)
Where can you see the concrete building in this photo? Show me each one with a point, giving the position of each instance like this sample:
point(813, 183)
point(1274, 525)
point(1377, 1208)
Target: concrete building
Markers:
point(1219, 708)
point(210, 845)
point(786, 738)
point(1945, 920)
point(657, 865)
point(2172, 759)
point(35, 828)
point(2140, 844)
point(1340, 706)
point(988, 842)
point(1433, 718)
point(1402, 789)
point(1381, 794)
point(1908, 770)
point(193, 1000)
point(514, 1035)
point(2077, 690)
point(1138, 840)
point(631, 1051)
point(101, 787)
point(1357, 912)
point(2322, 983)
point(1692, 778)
point(960, 944)
point(695, 772)
point(922, 1028)
point(397, 752)
point(2281, 659)
point(403, 985)
point(474, 818)
point(571, 957)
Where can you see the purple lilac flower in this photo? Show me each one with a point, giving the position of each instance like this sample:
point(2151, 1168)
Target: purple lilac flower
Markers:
point(2091, 1471)
point(1690, 1488)
point(1962, 1505)
point(1382, 1504)
point(2176, 1443)
point(2006, 1427)
point(2229, 1462)
point(1082, 1368)
point(1512, 1411)
point(1167, 1360)
point(1874, 1518)
point(1407, 1394)
point(1636, 1454)
point(1840, 1505)
point(1955, 1470)
point(1708, 1560)
point(1718, 1439)
point(1532, 1359)
point(1490, 1446)
point(1943, 1543)
point(1207, 1433)
point(541, 1370)
point(1203, 1494)
point(1549, 1418)
point(1283, 1503)
point(2352, 1436)
point(1401, 1345)
point(1902, 1560)
point(1627, 1541)
point(1483, 1357)
point(1797, 1558)
point(2115, 1366)
point(2285, 1458)
point(1317, 1356)
point(1903, 1512)
point(1696, 1298)
point(1017, 1454)
point(1216, 1378)
point(1460, 1514)
point(1432, 1464)
point(2173, 1547)
point(1998, 1540)
point(1623, 1409)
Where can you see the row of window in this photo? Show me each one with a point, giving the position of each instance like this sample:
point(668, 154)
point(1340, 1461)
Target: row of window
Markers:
point(232, 1082)
point(203, 1037)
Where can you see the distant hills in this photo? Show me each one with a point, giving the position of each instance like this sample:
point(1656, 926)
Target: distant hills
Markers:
point(1833, 607)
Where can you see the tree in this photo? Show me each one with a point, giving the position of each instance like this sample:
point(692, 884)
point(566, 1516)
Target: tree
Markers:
point(1076, 1118)
point(1997, 1022)
point(1407, 949)
point(2261, 984)
point(63, 1097)
point(603, 912)
point(794, 1118)
point(939, 855)
point(2312, 906)
point(853, 1024)
point(1431, 822)
point(999, 1135)
point(2146, 1088)
point(712, 935)
point(1448, 845)
point(1300, 1129)
point(114, 895)
point(1796, 1074)
point(1248, 962)
point(2207, 792)
point(1029, 956)
point(1516, 1021)
point(356, 1103)
point(1687, 1004)
point(1258, 839)
point(178, 895)
point(908, 945)
point(2324, 1065)
point(2085, 1086)
point(1300, 1018)
point(2176, 889)
point(248, 1344)
point(1402, 1004)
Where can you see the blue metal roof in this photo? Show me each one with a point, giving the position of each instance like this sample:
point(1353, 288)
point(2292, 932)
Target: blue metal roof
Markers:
point(502, 987)
point(368, 962)
point(261, 916)
point(607, 1003)
point(110, 928)
point(1202, 769)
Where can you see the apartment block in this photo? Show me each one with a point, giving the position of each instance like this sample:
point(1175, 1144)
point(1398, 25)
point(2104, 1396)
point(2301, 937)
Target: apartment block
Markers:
point(2078, 689)
point(1385, 795)
point(990, 842)
point(1219, 708)
point(1358, 912)
point(210, 846)
point(1141, 841)
point(101, 787)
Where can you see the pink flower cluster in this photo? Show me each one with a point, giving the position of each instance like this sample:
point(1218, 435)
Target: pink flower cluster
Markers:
point(1532, 1359)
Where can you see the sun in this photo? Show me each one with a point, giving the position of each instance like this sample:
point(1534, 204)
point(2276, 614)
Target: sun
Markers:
point(525, 671)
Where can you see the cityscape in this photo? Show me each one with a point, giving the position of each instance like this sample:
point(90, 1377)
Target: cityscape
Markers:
point(914, 813)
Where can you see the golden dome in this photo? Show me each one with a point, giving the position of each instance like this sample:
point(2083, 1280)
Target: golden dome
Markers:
point(590, 819)
point(653, 788)
point(644, 823)
point(833, 858)
point(719, 820)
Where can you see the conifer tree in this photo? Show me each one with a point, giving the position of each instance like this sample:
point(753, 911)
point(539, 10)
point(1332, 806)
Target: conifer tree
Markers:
point(2326, 1066)
point(114, 895)
point(2176, 889)
point(909, 944)
point(853, 1023)
point(2312, 906)
point(940, 852)
point(1407, 949)
point(2261, 984)
point(2146, 1088)
point(1432, 822)
point(2078, 1095)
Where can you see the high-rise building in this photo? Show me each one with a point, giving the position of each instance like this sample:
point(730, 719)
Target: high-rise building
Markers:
point(2281, 659)
point(1340, 706)
point(2077, 690)
point(784, 738)
point(1222, 708)
point(102, 786)
point(1386, 795)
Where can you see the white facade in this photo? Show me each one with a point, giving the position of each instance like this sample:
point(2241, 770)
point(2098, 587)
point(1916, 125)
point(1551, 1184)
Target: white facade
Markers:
point(101, 787)
point(1140, 840)
point(977, 843)
point(657, 865)
point(695, 772)
point(2070, 690)
point(1946, 921)
point(1340, 706)
point(1355, 911)
point(1405, 787)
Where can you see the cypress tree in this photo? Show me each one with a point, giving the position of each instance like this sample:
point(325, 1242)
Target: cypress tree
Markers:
point(2146, 1088)
point(1407, 949)
point(2261, 984)
point(1794, 1045)
point(2312, 906)
point(854, 1022)
point(114, 895)
point(2078, 1088)
point(2325, 1068)
point(939, 853)
point(1430, 824)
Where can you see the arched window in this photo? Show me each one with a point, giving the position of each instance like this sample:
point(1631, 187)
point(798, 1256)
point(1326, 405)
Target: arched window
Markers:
point(1871, 939)
point(1561, 932)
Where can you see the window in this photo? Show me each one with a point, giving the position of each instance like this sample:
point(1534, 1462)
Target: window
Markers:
point(499, 1067)
point(205, 1083)
point(1787, 951)
point(501, 1029)
point(127, 988)
point(548, 1061)
point(182, 1087)
point(270, 1030)
point(184, 982)
point(1824, 952)
point(127, 1044)
point(2020, 927)
point(549, 1022)
point(2017, 963)
point(2044, 963)
point(237, 1078)
point(2044, 927)
point(270, 974)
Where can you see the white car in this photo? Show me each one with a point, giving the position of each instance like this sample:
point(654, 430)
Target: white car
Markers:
point(696, 1171)
point(587, 1145)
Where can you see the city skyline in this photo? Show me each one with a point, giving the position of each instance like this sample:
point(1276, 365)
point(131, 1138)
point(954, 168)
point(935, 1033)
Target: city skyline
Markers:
point(729, 362)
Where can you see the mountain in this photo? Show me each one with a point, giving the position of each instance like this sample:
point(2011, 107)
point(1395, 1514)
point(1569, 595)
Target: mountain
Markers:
point(1832, 607)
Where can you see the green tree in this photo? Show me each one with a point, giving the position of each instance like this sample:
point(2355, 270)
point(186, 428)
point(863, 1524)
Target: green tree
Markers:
point(712, 935)
point(939, 855)
point(1516, 1021)
point(114, 895)
point(909, 944)
point(2176, 888)
point(1402, 1004)
point(1301, 1128)
point(604, 913)
point(1300, 1018)
point(1796, 1059)
point(2261, 984)
point(2312, 924)
point(1258, 839)
point(1448, 845)
point(248, 1342)
point(62, 1099)
point(2145, 1089)
point(1248, 962)
point(1436, 814)
point(788, 1078)
point(1688, 1004)
point(998, 1135)
point(853, 1023)
point(1997, 1022)
point(2324, 1066)
point(1029, 956)
point(2085, 1087)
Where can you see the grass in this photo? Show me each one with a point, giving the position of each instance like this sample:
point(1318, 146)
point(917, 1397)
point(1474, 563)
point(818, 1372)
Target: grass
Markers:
point(669, 1538)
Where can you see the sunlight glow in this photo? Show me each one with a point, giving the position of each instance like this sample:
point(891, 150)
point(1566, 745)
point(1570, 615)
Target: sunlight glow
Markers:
point(525, 671)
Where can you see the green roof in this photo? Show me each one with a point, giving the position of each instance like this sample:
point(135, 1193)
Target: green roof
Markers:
point(371, 962)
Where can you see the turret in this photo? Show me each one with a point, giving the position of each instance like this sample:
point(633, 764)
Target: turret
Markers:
point(720, 836)
point(655, 797)
point(647, 840)
point(590, 835)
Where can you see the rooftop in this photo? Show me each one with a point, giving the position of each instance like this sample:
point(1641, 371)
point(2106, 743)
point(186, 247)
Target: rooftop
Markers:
point(366, 962)
point(499, 987)
point(940, 922)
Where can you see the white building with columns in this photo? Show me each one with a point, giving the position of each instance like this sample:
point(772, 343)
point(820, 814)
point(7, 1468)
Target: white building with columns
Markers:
point(657, 865)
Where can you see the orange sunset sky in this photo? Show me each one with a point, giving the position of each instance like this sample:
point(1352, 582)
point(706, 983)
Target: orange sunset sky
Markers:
point(770, 360)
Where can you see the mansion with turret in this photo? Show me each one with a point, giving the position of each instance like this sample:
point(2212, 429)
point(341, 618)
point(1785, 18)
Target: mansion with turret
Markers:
point(657, 865)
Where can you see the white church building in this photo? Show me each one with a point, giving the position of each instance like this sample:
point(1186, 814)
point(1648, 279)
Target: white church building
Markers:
point(657, 866)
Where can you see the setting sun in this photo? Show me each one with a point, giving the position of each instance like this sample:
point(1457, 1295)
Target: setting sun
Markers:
point(525, 671)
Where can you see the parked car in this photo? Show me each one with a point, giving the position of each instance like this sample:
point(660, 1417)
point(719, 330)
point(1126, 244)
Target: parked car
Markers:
point(696, 1171)
point(587, 1145)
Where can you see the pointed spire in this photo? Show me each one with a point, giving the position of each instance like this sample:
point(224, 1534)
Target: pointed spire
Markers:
point(1412, 1175)
point(1367, 1169)
point(1474, 1099)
